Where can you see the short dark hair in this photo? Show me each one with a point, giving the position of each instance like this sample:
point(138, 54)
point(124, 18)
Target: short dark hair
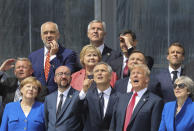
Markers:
point(178, 45)
point(124, 32)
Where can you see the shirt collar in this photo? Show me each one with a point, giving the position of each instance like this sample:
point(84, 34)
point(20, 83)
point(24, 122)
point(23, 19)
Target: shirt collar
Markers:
point(107, 91)
point(171, 69)
point(141, 92)
point(124, 58)
point(65, 93)
point(45, 51)
point(101, 48)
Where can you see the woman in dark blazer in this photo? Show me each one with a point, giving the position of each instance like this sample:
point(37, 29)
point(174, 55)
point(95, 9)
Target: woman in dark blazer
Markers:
point(26, 114)
point(179, 115)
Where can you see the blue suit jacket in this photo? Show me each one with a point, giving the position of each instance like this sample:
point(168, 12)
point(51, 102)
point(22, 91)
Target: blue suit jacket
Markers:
point(146, 115)
point(91, 110)
point(161, 84)
point(184, 120)
point(63, 57)
point(67, 120)
point(15, 120)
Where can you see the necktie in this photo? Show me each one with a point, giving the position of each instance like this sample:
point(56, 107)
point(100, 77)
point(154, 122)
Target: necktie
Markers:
point(60, 104)
point(101, 102)
point(47, 65)
point(125, 70)
point(129, 111)
point(174, 76)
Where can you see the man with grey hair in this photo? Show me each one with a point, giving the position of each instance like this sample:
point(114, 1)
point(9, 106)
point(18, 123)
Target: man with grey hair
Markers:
point(96, 103)
point(10, 86)
point(96, 34)
point(46, 60)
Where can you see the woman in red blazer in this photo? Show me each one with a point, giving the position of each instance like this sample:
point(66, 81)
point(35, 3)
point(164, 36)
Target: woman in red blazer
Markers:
point(89, 57)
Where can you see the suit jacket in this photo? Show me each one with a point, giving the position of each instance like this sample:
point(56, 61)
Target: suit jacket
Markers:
point(161, 84)
point(15, 120)
point(63, 57)
point(78, 79)
point(146, 115)
point(91, 110)
point(189, 70)
point(184, 120)
point(121, 85)
point(67, 120)
point(108, 54)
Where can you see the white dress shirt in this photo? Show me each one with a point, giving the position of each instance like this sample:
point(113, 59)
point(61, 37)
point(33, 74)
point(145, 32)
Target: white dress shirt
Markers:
point(65, 93)
point(129, 86)
point(101, 48)
point(178, 73)
point(123, 65)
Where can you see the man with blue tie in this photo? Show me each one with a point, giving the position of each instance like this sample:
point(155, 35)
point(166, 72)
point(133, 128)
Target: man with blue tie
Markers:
point(46, 60)
point(60, 105)
point(161, 82)
point(139, 110)
point(97, 103)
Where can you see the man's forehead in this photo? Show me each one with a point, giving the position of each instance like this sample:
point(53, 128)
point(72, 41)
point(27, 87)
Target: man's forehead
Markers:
point(102, 66)
point(62, 69)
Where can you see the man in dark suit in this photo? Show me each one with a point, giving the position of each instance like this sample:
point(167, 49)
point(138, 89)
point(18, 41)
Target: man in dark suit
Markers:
point(97, 103)
point(10, 87)
point(59, 106)
point(161, 82)
point(46, 60)
point(139, 110)
point(128, 44)
point(124, 85)
point(96, 34)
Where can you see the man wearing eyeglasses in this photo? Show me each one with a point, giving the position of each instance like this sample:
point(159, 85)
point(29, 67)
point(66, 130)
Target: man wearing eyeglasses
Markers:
point(59, 105)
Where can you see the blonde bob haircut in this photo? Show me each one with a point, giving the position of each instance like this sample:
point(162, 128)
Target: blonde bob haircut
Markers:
point(89, 48)
point(31, 80)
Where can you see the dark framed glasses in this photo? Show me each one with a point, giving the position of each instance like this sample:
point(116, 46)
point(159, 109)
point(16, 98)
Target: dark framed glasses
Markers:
point(181, 86)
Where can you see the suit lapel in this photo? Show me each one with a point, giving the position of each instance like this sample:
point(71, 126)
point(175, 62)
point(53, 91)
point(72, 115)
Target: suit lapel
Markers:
point(95, 98)
point(41, 56)
point(105, 53)
point(120, 62)
point(67, 102)
point(139, 105)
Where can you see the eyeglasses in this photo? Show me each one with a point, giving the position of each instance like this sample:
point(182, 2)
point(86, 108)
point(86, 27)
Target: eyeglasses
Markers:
point(63, 73)
point(181, 86)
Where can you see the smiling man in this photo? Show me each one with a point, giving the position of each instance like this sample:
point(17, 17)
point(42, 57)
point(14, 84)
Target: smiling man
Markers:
point(96, 34)
point(161, 82)
point(97, 103)
point(139, 110)
point(59, 105)
point(46, 60)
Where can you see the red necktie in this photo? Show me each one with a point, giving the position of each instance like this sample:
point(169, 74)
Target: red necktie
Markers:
point(47, 66)
point(129, 111)
point(125, 71)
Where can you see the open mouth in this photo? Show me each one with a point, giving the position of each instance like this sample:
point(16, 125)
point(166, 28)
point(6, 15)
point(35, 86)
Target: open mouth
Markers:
point(135, 81)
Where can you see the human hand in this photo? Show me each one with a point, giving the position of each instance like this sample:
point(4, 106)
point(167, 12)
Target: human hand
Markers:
point(86, 84)
point(7, 64)
point(54, 47)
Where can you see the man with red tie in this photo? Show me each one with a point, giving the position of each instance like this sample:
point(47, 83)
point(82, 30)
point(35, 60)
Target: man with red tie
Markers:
point(139, 110)
point(46, 60)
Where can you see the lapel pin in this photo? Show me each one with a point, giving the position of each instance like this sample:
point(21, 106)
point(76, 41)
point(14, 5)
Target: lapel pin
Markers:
point(144, 99)
point(70, 96)
point(108, 54)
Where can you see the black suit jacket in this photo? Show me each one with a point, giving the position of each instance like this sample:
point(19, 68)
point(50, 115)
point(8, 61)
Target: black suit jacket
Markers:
point(161, 84)
point(108, 54)
point(91, 110)
point(121, 85)
point(146, 115)
point(189, 70)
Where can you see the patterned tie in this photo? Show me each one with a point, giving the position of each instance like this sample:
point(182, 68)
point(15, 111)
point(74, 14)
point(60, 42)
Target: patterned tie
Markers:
point(60, 104)
point(174, 76)
point(125, 70)
point(101, 102)
point(47, 65)
point(129, 111)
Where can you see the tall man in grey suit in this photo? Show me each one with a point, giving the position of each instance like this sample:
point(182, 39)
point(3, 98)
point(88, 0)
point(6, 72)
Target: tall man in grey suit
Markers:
point(161, 82)
point(139, 110)
point(97, 103)
point(96, 34)
point(59, 105)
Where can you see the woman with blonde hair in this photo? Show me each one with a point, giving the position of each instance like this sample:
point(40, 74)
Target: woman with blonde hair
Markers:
point(89, 57)
point(26, 114)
